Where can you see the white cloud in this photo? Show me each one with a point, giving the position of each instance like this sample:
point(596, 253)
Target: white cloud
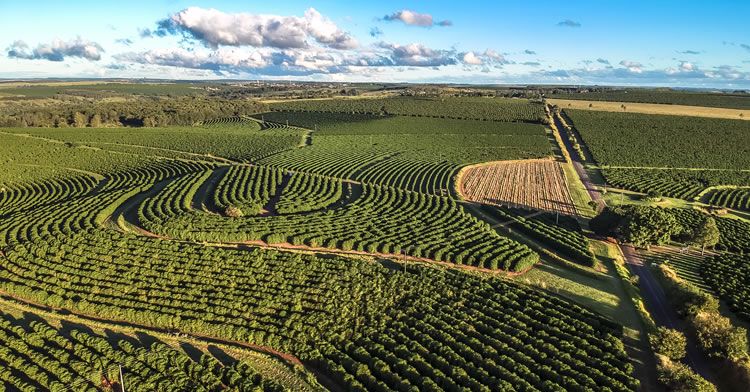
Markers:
point(416, 54)
point(686, 66)
point(472, 59)
point(213, 28)
point(412, 18)
point(632, 66)
point(57, 50)
point(488, 57)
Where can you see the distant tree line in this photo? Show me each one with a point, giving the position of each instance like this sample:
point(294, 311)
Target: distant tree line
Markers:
point(139, 112)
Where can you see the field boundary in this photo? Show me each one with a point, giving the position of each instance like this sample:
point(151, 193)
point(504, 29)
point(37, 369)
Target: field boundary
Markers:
point(651, 108)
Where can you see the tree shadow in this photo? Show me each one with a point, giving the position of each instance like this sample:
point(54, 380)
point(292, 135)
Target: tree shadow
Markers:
point(191, 351)
point(114, 338)
point(146, 340)
point(221, 355)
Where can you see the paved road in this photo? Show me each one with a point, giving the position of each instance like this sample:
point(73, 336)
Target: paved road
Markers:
point(651, 291)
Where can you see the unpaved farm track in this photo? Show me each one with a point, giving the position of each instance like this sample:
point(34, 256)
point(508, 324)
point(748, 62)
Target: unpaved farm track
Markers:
point(656, 300)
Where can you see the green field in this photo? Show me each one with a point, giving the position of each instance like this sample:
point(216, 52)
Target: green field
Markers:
point(338, 246)
point(492, 109)
point(643, 140)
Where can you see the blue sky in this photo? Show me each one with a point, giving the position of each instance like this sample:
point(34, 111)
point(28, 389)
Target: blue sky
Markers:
point(660, 43)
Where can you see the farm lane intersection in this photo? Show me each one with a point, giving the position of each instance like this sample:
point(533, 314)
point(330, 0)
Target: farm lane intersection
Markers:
point(653, 294)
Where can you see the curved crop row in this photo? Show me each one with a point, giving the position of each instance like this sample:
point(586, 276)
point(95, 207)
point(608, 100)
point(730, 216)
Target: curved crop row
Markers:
point(415, 175)
point(382, 219)
point(736, 198)
point(41, 357)
point(32, 194)
point(366, 326)
point(560, 233)
point(234, 120)
point(248, 188)
point(306, 192)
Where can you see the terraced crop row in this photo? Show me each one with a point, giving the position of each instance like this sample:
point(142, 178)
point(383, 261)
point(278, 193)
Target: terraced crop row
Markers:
point(736, 198)
point(37, 356)
point(24, 195)
point(248, 188)
point(405, 173)
point(366, 326)
point(381, 219)
point(561, 233)
point(305, 193)
point(331, 162)
point(233, 120)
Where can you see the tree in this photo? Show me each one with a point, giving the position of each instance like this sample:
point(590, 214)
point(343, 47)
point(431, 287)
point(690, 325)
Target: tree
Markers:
point(668, 342)
point(719, 338)
point(653, 195)
point(707, 234)
point(79, 120)
point(96, 121)
point(607, 221)
point(679, 377)
point(646, 226)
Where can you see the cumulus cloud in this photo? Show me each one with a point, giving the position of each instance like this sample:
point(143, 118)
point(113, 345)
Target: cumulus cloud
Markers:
point(632, 66)
point(214, 28)
point(412, 18)
point(568, 23)
point(487, 58)
point(376, 32)
point(124, 41)
point(602, 61)
point(745, 46)
point(416, 54)
point(528, 51)
point(57, 50)
point(472, 59)
point(686, 66)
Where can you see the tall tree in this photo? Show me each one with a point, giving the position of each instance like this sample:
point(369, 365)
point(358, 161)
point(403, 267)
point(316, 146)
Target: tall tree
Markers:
point(96, 121)
point(645, 226)
point(79, 120)
point(707, 234)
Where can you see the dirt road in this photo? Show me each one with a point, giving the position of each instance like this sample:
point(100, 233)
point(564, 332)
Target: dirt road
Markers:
point(656, 300)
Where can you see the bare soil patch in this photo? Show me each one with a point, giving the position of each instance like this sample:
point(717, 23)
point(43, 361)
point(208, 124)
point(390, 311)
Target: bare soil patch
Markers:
point(652, 108)
point(534, 183)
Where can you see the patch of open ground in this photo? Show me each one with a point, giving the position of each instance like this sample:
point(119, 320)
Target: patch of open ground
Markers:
point(534, 183)
point(652, 108)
